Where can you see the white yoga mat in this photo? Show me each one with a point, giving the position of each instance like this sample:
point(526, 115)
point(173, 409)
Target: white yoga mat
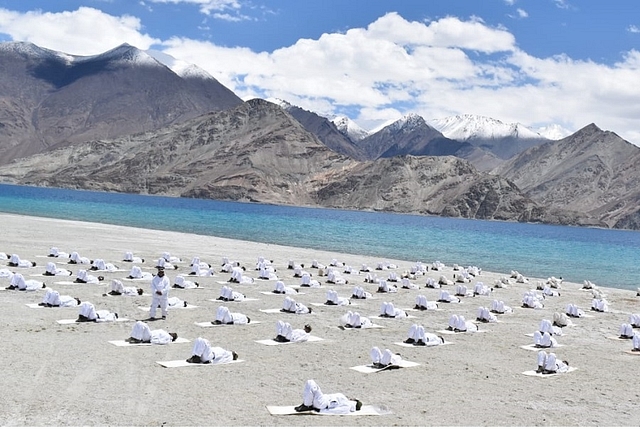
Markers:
point(73, 321)
point(446, 331)
point(369, 369)
point(276, 343)
point(123, 343)
point(170, 308)
point(631, 352)
point(210, 325)
point(322, 304)
point(281, 294)
point(618, 338)
point(234, 302)
point(288, 410)
point(32, 305)
point(446, 343)
point(183, 362)
point(533, 373)
point(71, 283)
point(392, 318)
point(533, 348)
point(372, 326)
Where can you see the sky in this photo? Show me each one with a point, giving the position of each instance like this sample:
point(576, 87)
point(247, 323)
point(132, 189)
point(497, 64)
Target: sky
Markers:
point(543, 63)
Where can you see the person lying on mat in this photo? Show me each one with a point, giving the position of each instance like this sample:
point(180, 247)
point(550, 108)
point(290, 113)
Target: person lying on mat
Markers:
point(181, 283)
point(128, 257)
point(237, 276)
point(459, 324)
point(572, 310)
point(418, 337)
point(600, 304)
point(547, 326)
point(16, 261)
point(384, 359)
point(228, 294)
point(544, 340)
point(18, 282)
point(306, 281)
point(52, 298)
point(423, 304)
point(560, 320)
point(137, 273)
point(549, 364)
point(291, 306)
point(634, 320)
point(226, 317)
point(384, 287)
point(334, 299)
point(101, 265)
point(445, 296)
point(484, 315)
point(84, 277)
point(52, 270)
point(636, 343)
point(203, 352)
point(359, 293)
point(314, 400)
point(75, 258)
point(141, 333)
point(117, 288)
point(499, 307)
point(88, 313)
point(387, 309)
point(626, 331)
point(280, 288)
point(354, 320)
point(285, 333)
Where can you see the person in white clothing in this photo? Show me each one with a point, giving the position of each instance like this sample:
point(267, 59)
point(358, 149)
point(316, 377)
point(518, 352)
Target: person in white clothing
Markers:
point(384, 359)
point(117, 288)
point(286, 334)
point(484, 315)
point(160, 295)
point(462, 290)
point(626, 331)
point(634, 320)
point(203, 352)
point(291, 306)
point(55, 253)
point(531, 299)
point(387, 309)
point(572, 310)
point(181, 283)
point(499, 307)
point(137, 273)
point(306, 281)
point(406, 284)
point(547, 326)
point(88, 313)
point(422, 304)
point(359, 293)
point(237, 276)
point(551, 364)
point(52, 270)
point(560, 319)
point(354, 320)
point(481, 289)
point(384, 287)
point(101, 265)
point(459, 324)
point(280, 288)
point(16, 261)
point(198, 267)
point(228, 294)
point(544, 340)
point(226, 317)
point(52, 298)
point(636, 342)
point(600, 305)
point(128, 257)
point(335, 403)
point(165, 265)
point(84, 277)
point(17, 282)
point(75, 258)
point(445, 296)
point(334, 277)
point(141, 333)
point(418, 337)
point(334, 299)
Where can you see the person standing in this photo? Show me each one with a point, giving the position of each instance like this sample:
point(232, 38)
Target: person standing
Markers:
point(160, 294)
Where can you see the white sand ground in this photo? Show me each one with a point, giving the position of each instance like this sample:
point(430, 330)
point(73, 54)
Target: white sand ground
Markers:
point(70, 375)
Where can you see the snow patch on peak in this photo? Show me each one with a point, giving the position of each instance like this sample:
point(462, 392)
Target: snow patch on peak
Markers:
point(410, 121)
point(280, 102)
point(349, 128)
point(470, 127)
point(124, 53)
point(34, 51)
point(554, 132)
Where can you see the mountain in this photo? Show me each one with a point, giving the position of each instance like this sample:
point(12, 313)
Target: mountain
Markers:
point(591, 171)
point(259, 152)
point(494, 136)
point(50, 99)
point(324, 129)
point(349, 128)
point(410, 135)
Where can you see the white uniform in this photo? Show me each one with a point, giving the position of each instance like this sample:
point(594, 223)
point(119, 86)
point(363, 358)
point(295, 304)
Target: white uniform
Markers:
point(335, 403)
point(307, 282)
point(334, 299)
point(282, 289)
point(293, 335)
point(101, 265)
point(387, 309)
point(481, 289)
point(499, 307)
point(626, 331)
point(544, 340)
point(386, 288)
point(636, 342)
point(84, 277)
point(53, 298)
point(418, 336)
point(181, 283)
point(291, 306)
point(406, 284)
point(354, 320)
point(423, 304)
point(226, 317)
point(484, 315)
point(382, 359)
point(75, 258)
point(359, 293)
point(17, 281)
point(228, 294)
point(572, 310)
point(445, 296)
point(52, 270)
point(137, 273)
point(142, 332)
point(16, 261)
point(209, 354)
point(160, 295)
point(128, 257)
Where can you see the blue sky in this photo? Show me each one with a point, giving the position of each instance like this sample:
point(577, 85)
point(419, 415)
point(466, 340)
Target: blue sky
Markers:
point(538, 62)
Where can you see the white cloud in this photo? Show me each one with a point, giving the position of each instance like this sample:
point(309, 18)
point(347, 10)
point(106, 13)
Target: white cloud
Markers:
point(510, 2)
point(390, 68)
point(218, 9)
point(86, 31)
point(562, 4)
point(522, 13)
point(633, 29)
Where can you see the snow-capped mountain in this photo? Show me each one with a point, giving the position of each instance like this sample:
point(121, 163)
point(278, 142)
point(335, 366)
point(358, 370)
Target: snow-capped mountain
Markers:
point(180, 67)
point(554, 132)
point(473, 127)
point(349, 128)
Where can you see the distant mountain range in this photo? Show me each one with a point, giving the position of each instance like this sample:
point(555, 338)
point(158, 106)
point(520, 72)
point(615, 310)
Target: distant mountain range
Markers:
point(124, 121)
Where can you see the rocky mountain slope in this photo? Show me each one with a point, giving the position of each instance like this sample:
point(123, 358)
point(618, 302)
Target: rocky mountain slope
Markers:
point(258, 152)
point(49, 98)
point(592, 171)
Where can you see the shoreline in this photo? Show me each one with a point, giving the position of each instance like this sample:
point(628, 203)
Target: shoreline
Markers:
point(71, 376)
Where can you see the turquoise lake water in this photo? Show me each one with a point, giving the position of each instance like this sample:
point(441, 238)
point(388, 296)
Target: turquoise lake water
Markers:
point(605, 257)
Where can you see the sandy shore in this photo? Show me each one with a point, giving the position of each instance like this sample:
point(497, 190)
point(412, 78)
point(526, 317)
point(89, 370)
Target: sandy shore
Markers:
point(70, 375)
